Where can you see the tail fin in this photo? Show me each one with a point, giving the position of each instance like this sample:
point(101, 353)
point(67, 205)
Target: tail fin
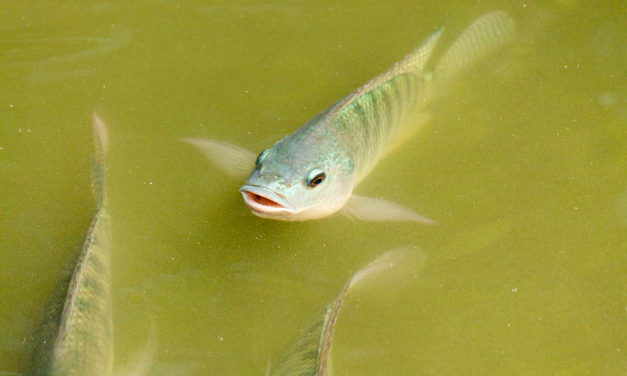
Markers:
point(486, 34)
point(101, 144)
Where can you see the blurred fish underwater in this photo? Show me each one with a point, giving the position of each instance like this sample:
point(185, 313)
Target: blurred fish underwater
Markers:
point(75, 336)
point(311, 353)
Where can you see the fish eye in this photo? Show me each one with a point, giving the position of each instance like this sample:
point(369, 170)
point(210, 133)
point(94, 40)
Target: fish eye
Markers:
point(315, 177)
point(260, 158)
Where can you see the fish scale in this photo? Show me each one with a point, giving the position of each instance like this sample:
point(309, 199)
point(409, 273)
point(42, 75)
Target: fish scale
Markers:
point(367, 124)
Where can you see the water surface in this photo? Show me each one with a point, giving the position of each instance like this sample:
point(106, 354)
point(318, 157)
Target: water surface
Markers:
point(523, 166)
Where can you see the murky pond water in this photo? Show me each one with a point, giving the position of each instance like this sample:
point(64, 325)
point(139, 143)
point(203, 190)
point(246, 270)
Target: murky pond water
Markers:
point(523, 166)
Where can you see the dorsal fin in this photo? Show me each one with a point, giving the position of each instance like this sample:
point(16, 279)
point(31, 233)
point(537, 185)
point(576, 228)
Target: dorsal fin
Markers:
point(412, 63)
point(486, 34)
point(415, 61)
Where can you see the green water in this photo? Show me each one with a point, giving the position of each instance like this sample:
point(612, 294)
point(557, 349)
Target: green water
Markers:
point(523, 166)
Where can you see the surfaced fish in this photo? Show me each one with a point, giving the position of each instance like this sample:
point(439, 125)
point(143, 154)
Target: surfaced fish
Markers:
point(312, 172)
point(75, 337)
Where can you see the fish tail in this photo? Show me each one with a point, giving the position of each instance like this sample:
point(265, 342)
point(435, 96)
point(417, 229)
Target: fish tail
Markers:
point(484, 35)
point(101, 143)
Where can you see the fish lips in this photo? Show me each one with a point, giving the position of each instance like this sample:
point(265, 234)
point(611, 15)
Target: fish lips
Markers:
point(265, 202)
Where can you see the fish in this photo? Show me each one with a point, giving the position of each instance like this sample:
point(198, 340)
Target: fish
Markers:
point(312, 172)
point(76, 336)
point(311, 353)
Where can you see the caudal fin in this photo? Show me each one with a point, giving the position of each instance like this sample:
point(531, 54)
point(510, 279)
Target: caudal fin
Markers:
point(488, 33)
point(101, 144)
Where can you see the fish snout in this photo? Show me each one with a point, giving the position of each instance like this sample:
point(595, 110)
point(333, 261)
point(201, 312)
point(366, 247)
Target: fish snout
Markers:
point(263, 200)
point(259, 199)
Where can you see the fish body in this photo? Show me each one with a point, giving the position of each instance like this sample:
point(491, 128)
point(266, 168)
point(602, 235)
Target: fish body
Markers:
point(312, 172)
point(344, 143)
point(76, 336)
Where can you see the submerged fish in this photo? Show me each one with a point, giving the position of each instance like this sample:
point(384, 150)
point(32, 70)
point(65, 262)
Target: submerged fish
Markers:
point(76, 336)
point(312, 172)
point(311, 353)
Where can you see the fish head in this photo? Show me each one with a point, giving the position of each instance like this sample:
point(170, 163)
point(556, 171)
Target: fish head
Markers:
point(299, 180)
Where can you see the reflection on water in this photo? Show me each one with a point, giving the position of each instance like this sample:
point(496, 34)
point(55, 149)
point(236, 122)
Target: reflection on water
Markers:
point(48, 60)
point(522, 165)
point(41, 51)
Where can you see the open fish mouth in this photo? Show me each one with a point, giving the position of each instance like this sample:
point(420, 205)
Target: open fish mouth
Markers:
point(264, 201)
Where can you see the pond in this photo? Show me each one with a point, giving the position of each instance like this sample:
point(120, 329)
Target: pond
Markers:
point(522, 165)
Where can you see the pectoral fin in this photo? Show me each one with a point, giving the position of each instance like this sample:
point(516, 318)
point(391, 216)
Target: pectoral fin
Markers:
point(374, 209)
point(233, 160)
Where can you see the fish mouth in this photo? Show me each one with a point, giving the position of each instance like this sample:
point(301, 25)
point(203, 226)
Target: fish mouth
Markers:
point(263, 201)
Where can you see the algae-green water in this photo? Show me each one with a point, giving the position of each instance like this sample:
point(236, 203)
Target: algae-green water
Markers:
point(523, 165)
